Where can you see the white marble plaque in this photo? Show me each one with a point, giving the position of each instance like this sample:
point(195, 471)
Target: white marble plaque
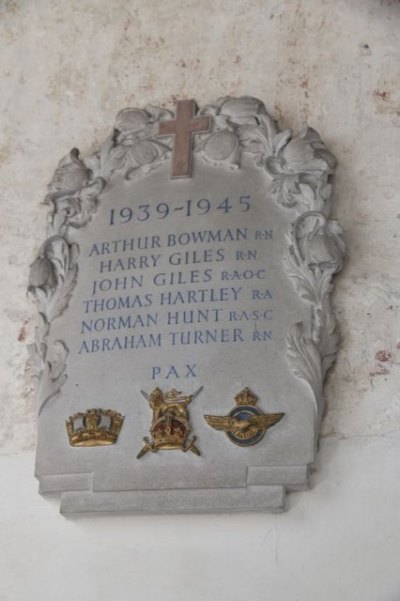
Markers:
point(185, 324)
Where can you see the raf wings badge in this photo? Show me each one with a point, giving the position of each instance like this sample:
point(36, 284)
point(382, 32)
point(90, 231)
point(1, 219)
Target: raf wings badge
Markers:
point(170, 427)
point(245, 425)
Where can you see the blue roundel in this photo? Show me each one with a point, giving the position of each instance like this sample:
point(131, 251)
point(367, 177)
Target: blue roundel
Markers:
point(245, 413)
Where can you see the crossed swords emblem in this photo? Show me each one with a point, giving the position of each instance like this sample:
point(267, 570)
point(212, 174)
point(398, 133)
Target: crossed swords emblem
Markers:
point(170, 426)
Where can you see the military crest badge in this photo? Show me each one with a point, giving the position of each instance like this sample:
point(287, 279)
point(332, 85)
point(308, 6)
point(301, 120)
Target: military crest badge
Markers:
point(170, 427)
point(245, 425)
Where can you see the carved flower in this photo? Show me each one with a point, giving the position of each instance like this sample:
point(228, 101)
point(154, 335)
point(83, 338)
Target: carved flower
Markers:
point(237, 123)
point(243, 108)
point(144, 156)
point(133, 124)
point(42, 273)
point(134, 147)
point(145, 152)
point(53, 276)
point(319, 242)
point(76, 210)
point(221, 147)
point(228, 111)
point(297, 160)
point(71, 174)
point(132, 120)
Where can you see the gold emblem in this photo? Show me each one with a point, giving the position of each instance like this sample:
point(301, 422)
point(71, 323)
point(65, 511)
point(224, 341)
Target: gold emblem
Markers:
point(245, 425)
point(94, 428)
point(170, 427)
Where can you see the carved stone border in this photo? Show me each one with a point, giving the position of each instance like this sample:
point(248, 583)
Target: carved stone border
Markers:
point(300, 168)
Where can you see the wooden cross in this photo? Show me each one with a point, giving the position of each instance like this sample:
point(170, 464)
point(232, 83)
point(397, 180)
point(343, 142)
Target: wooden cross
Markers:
point(183, 128)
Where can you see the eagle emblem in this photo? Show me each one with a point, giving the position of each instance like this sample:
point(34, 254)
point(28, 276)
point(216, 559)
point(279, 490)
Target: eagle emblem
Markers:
point(245, 425)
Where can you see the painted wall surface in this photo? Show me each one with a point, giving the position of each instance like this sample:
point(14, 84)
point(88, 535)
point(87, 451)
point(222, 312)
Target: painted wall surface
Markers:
point(66, 69)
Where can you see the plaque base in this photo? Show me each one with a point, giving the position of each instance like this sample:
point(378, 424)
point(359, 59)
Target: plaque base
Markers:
point(254, 498)
point(262, 493)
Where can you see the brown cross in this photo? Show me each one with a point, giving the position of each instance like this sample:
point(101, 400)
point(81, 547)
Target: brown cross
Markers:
point(183, 127)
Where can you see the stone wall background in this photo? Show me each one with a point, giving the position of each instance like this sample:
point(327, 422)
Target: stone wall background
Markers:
point(66, 69)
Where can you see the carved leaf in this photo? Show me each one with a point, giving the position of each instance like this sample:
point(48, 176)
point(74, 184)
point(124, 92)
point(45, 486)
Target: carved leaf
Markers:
point(303, 278)
point(38, 349)
point(305, 360)
point(158, 113)
point(285, 188)
point(238, 125)
point(258, 138)
point(328, 336)
point(253, 139)
point(87, 203)
point(53, 276)
point(53, 375)
point(143, 157)
point(280, 140)
point(299, 167)
point(74, 210)
point(113, 158)
point(71, 174)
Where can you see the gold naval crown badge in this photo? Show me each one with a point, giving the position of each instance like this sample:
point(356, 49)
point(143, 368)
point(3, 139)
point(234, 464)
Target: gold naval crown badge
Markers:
point(245, 425)
point(94, 428)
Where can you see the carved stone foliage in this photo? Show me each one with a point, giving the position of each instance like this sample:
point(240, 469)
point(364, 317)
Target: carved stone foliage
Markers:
point(299, 167)
point(73, 193)
point(134, 147)
point(52, 279)
point(239, 124)
point(315, 254)
point(48, 364)
point(53, 276)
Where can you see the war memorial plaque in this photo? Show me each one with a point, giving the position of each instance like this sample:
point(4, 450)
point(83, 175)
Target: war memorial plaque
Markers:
point(185, 326)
